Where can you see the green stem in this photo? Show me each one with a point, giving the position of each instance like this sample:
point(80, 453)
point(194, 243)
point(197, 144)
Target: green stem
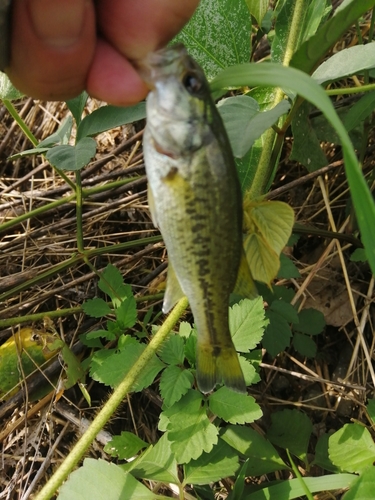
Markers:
point(351, 90)
point(298, 475)
point(79, 212)
point(22, 125)
point(112, 404)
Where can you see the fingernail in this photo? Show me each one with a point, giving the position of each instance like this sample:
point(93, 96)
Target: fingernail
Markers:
point(57, 22)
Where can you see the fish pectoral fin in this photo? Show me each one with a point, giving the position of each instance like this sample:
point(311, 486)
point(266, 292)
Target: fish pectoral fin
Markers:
point(245, 285)
point(151, 206)
point(216, 364)
point(173, 292)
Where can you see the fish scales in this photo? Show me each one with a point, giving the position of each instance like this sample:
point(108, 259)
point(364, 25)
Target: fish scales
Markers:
point(195, 200)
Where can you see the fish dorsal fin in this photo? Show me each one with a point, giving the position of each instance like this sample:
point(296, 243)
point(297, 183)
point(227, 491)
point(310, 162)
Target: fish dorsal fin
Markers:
point(245, 285)
point(151, 206)
point(173, 292)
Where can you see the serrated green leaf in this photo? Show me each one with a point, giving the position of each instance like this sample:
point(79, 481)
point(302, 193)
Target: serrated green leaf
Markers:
point(126, 313)
point(291, 429)
point(250, 374)
point(67, 157)
point(304, 345)
point(172, 351)
point(189, 429)
point(310, 321)
point(217, 35)
point(112, 283)
point(96, 308)
point(157, 463)
point(77, 105)
point(246, 323)
point(110, 370)
point(191, 348)
point(262, 456)
point(184, 329)
point(287, 311)
point(287, 268)
point(108, 117)
point(174, 383)
point(98, 479)
point(277, 334)
point(125, 446)
point(8, 91)
point(233, 407)
point(352, 448)
point(220, 463)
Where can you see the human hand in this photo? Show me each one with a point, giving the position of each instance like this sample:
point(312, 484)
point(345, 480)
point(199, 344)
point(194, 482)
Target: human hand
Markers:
point(61, 47)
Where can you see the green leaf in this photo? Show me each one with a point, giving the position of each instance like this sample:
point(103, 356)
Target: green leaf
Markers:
point(245, 123)
point(304, 345)
point(172, 351)
point(310, 321)
point(7, 90)
point(345, 63)
point(233, 407)
point(282, 31)
point(321, 454)
point(108, 117)
point(287, 311)
point(371, 409)
point(174, 383)
point(111, 369)
point(360, 111)
point(67, 157)
point(221, 462)
point(157, 463)
point(189, 429)
point(363, 487)
point(262, 456)
point(277, 334)
point(286, 77)
point(126, 313)
point(125, 446)
point(112, 283)
point(98, 479)
point(191, 347)
point(313, 50)
point(96, 308)
point(73, 368)
point(61, 136)
point(247, 166)
point(287, 268)
point(359, 255)
point(352, 448)
point(217, 35)
point(247, 323)
point(77, 105)
point(250, 374)
point(258, 9)
point(291, 429)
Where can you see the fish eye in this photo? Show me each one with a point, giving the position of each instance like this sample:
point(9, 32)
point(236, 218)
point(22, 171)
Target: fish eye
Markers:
point(191, 83)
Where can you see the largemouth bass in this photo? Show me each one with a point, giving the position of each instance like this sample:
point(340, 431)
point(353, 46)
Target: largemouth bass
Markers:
point(195, 200)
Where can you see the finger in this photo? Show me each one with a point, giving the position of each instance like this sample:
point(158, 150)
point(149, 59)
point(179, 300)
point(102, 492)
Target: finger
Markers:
point(53, 43)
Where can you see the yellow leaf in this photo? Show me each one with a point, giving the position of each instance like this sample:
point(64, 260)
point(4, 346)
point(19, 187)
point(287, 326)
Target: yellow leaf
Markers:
point(263, 261)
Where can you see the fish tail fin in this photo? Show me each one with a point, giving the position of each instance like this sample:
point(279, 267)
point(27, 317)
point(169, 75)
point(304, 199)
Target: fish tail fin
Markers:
point(216, 364)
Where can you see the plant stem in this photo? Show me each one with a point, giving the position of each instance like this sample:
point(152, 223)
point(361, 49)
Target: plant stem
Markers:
point(79, 212)
point(22, 125)
point(112, 404)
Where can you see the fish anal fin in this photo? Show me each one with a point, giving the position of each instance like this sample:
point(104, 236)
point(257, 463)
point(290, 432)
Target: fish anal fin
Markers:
point(151, 206)
point(245, 286)
point(215, 365)
point(173, 292)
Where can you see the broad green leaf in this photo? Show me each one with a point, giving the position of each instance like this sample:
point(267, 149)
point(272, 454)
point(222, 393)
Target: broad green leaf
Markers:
point(293, 488)
point(314, 49)
point(245, 123)
point(360, 111)
point(311, 321)
point(352, 448)
point(221, 462)
point(112, 369)
point(286, 310)
point(306, 147)
point(363, 487)
point(67, 157)
point(287, 268)
point(346, 62)
point(247, 166)
point(286, 77)
point(371, 409)
point(108, 117)
point(189, 429)
point(359, 255)
point(126, 313)
point(250, 374)
point(277, 334)
point(61, 136)
point(263, 261)
point(112, 283)
point(125, 446)
point(246, 323)
point(233, 407)
point(98, 479)
point(172, 350)
point(217, 35)
point(321, 454)
point(7, 90)
point(304, 345)
point(291, 429)
point(96, 308)
point(157, 463)
point(174, 383)
point(257, 9)
point(262, 456)
point(77, 105)
point(316, 13)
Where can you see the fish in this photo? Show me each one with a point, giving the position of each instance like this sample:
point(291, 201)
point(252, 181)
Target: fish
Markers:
point(195, 200)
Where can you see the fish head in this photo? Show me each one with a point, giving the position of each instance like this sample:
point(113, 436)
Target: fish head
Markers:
point(179, 105)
